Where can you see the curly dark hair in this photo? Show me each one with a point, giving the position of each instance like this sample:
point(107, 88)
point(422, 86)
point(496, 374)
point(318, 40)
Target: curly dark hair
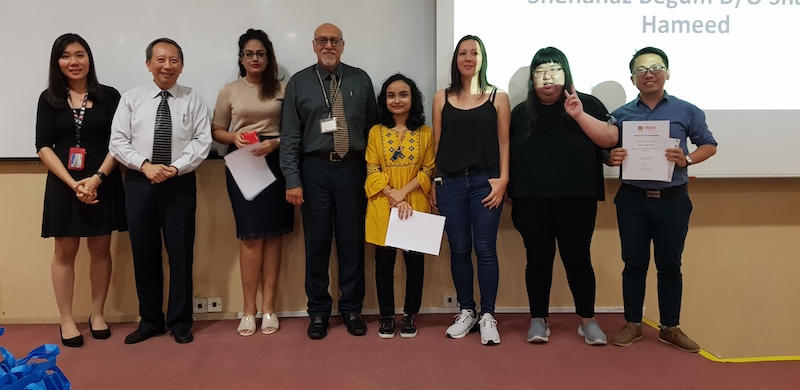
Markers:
point(416, 117)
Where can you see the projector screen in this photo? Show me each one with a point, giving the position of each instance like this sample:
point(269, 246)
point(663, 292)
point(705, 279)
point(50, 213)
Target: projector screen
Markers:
point(731, 58)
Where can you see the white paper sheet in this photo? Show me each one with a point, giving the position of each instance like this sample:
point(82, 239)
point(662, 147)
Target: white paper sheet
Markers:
point(646, 142)
point(251, 173)
point(421, 232)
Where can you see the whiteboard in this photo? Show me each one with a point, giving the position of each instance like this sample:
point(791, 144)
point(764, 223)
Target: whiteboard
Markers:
point(753, 112)
point(381, 37)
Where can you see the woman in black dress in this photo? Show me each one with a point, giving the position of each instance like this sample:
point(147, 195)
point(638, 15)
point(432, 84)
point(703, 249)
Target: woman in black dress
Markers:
point(83, 194)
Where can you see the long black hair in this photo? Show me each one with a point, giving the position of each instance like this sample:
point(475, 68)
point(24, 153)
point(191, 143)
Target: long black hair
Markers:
point(57, 88)
point(270, 84)
point(416, 116)
point(546, 56)
point(455, 75)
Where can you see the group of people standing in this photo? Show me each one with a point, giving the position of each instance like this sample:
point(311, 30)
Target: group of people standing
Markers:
point(347, 160)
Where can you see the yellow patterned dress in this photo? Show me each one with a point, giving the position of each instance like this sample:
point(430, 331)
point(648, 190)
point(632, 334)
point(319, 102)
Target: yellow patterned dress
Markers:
point(395, 162)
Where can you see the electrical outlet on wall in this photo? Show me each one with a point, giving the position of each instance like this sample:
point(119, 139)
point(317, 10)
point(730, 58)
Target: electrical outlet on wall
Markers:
point(200, 305)
point(214, 305)
point(449, 300)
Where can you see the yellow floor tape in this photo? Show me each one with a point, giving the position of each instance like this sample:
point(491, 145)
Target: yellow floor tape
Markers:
point(717, 359)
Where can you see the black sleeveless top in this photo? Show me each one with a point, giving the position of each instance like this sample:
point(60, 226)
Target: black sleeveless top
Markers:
point(468, 138)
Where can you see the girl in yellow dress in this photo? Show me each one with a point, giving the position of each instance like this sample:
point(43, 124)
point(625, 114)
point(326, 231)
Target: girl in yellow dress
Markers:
point(400, 162)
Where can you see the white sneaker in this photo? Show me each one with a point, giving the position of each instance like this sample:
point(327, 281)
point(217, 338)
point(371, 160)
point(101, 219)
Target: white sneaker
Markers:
point(465, 322)
point(489, 334)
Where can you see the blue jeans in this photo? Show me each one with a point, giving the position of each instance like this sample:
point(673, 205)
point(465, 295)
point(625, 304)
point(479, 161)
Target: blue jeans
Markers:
point(469, 222)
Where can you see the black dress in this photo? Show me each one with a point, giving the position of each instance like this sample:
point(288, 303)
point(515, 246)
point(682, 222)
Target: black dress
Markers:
point(64, 215)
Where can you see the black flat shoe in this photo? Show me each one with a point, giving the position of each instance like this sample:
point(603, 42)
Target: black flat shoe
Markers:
point(74, 342)
point(140, 335)
point(318, 328)
point(183, 336)
point(355, 325)
point(99, 334)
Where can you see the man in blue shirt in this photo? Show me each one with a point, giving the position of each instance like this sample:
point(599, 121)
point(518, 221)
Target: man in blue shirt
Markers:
point(657, 211)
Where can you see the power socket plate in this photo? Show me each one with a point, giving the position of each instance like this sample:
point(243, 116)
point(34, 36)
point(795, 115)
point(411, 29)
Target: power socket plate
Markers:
point(215, 305)
point(200, 305)
point(449, 300)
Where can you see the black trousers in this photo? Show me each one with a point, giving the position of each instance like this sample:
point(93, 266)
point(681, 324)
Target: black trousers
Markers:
point(334, 201)
point(384, 279)
point(569, 221)
point(665, 223)
point(166, 208)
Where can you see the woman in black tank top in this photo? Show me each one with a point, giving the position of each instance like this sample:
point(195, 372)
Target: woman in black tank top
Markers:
point(471, 125)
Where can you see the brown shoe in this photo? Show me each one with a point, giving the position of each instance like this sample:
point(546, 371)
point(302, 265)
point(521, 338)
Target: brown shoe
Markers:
point(627, 335)
point(674, 336)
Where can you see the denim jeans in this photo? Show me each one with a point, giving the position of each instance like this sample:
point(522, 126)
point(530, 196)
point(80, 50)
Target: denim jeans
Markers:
point(468, 222)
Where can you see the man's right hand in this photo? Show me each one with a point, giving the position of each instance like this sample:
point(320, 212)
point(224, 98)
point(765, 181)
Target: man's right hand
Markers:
point(157, 173)
point(295, 196)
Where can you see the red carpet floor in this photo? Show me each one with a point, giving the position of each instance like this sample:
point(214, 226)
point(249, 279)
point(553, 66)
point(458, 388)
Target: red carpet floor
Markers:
point(220, 359)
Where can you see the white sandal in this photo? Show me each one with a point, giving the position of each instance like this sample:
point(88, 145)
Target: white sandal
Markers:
point(269, 323)
point(247, 326)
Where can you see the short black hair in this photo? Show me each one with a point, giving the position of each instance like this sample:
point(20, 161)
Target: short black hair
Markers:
point(149, 51)
point(649, 50)
point(416, 116)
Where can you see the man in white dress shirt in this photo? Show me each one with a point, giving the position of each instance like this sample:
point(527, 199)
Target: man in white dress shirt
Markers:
point(160, 187)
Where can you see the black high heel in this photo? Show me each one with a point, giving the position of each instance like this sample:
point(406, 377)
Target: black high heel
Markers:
point(74, 342)
point(99, 334)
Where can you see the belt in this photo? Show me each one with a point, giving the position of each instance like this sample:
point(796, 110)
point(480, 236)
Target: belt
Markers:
point(655, 194)
point(332, 156)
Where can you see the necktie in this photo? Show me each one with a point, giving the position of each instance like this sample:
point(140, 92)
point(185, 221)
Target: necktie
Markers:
point(162, 137)
point(341, 138)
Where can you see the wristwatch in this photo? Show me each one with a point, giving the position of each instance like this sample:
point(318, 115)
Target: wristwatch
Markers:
point(101, 175)
point(688, 160)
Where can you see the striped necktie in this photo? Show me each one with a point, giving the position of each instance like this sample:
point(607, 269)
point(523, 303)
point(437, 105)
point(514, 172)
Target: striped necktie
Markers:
point(341, 138)
point(162, 138)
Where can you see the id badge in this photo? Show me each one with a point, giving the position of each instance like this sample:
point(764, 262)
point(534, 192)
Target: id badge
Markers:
point(76, 157)
point(327, 125)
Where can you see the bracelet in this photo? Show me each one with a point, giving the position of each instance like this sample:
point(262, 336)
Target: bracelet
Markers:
point(101, 175)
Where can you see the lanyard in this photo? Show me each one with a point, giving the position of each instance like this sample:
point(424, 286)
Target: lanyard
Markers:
point(78, 118)
point(325, 93)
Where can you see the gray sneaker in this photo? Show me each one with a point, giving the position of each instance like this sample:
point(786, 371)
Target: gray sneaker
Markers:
point(539, 331)
point(592, 333)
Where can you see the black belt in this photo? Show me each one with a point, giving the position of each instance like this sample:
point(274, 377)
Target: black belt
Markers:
point(655, 194)
point(332, 156)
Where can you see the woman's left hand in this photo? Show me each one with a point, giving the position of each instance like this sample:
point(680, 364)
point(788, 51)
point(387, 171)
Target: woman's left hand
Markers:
point(86, 189)
point(404, 210)
point(495, 198)
point(572, 104)
point(267, 146)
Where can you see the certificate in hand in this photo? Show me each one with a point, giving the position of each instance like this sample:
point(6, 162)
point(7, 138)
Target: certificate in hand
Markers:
point(421, 232)
point(250, 172)
point(646, 142)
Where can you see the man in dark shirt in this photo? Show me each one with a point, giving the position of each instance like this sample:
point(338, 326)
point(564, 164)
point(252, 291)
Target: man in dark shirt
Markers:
point(328, 181)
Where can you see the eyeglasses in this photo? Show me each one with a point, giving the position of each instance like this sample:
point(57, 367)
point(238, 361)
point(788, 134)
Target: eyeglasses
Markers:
point(250, 54)
point(539, 73)
point(322, 41)
point(653, 69)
